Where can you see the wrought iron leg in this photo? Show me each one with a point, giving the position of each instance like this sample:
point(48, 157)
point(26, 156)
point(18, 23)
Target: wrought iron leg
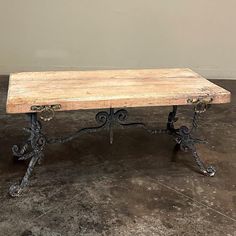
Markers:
point(209, 171)
point(171, 120)
point(186, 141)
point(32, 149)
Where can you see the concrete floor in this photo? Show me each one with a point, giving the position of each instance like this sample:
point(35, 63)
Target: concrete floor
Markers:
point(88, 187)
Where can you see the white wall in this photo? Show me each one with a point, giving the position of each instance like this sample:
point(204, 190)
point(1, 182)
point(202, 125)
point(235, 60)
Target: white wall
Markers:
point(105, 34)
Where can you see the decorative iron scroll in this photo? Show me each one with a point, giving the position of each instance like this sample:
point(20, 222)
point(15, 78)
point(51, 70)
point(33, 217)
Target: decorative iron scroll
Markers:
point(32, 149)
point(34, 146)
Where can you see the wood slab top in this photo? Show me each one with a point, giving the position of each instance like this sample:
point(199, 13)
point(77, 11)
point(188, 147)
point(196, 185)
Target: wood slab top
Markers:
point(75, 90)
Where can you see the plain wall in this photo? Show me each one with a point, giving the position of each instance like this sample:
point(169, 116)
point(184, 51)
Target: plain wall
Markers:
point(106, 34)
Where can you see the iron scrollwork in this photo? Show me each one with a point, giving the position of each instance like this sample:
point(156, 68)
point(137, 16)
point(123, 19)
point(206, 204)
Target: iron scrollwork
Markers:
point(32, 149)
point(104, 120)
point(201, 104)
point(184, 137)
point(46, 112)
point(34, 146)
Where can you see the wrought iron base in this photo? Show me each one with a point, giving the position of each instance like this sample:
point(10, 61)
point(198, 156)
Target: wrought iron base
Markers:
point(32, 149)
point(34, 146)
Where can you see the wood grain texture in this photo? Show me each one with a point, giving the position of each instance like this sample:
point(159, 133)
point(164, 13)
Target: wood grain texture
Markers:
point(109, 88)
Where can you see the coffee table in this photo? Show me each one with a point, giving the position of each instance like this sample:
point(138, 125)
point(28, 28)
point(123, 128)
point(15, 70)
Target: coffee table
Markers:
point(42, 94)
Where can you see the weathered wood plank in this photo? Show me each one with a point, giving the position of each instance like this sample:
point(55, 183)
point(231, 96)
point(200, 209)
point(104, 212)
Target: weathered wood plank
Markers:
point(111, 88)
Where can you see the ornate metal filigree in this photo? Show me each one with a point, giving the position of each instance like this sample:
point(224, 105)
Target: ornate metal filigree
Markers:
point(32, 149)
point(34, 146)
point(46, 112)
point(201, 104)
point(104, 120)
point(184, 137)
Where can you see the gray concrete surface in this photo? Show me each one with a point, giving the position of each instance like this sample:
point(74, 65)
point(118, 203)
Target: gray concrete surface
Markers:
point(88, 187)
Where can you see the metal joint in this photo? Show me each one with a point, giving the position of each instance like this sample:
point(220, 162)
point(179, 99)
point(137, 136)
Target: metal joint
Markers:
point(47, 112)
point(200, 104)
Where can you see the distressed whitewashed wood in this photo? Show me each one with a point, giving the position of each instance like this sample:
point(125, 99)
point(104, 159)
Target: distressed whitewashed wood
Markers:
point(109, 88)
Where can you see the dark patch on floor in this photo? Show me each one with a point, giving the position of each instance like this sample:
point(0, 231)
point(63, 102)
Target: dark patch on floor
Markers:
point(88, 187)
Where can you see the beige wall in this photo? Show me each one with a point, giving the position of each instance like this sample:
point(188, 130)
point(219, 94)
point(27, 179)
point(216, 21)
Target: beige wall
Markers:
point(105, 34)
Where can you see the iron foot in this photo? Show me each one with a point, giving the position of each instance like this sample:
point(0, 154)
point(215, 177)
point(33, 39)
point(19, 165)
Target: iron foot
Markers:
point(209, 171)
point(15, 190)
